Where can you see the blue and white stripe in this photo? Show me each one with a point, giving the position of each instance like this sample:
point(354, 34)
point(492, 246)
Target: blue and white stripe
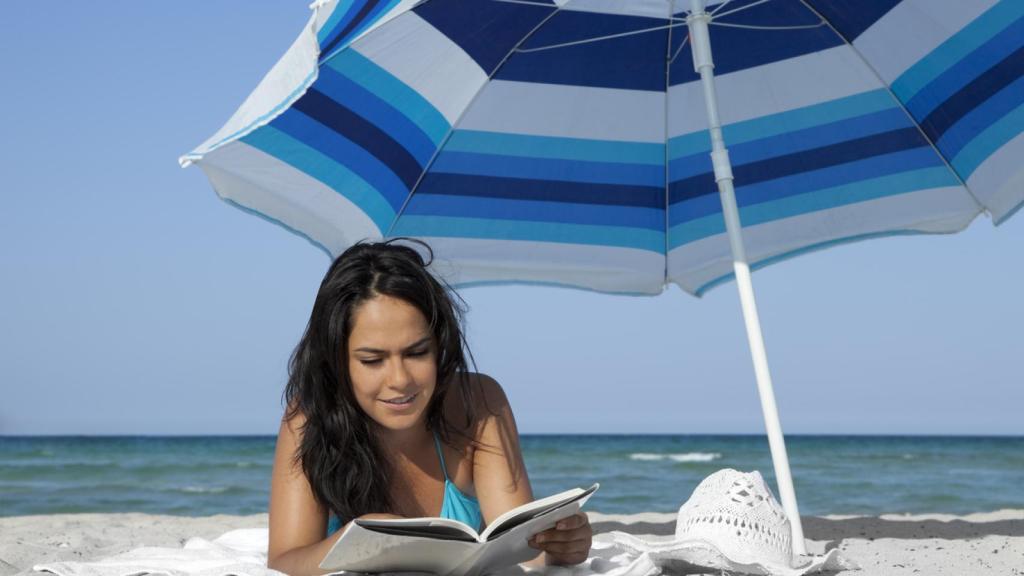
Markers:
point(525, 150)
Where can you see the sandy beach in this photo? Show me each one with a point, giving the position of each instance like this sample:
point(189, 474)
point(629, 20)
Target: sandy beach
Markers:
point(887, 545)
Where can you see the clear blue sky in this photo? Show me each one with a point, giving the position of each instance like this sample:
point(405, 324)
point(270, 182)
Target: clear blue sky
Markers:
point(134, 301)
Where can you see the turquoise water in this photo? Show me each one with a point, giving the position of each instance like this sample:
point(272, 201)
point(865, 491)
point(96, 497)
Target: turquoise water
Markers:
point(198, 476)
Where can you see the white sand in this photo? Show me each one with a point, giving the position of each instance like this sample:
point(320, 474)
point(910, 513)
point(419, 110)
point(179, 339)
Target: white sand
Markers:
point(934, 544)
point(29, 540)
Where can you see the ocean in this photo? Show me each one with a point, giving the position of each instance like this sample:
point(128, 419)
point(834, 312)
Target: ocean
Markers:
point(199, 476)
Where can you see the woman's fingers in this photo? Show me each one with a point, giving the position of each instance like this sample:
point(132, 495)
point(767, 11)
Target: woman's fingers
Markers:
point(555, 535)
point(575, 527)
point(568, 542)
point(567, 557)
point(575, 521)
point(567, 528)
point(566, 548)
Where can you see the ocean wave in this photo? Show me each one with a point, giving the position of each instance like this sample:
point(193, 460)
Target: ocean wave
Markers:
point(248, 464)
point(684, 457)
point(58, 464)
point(202, 489)
point(16, 455)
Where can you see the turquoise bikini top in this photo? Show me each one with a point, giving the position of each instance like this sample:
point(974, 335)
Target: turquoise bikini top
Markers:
point(456, 505)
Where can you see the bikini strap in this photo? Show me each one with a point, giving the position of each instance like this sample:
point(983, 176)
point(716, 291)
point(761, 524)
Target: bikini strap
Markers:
point(440, 455)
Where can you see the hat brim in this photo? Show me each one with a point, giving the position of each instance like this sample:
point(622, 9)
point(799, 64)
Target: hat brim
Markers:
point(696, 556)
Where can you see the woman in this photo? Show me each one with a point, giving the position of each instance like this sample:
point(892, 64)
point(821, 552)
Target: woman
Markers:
point(384, 419)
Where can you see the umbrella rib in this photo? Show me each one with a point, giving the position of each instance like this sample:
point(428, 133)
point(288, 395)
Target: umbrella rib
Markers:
point(979, 203)
point(750, 27)
point(740, 9)
point(597, 38)
point(723, 5)
point(680, 49)
point(469, 105)
point(527, 2)
point(669, 58)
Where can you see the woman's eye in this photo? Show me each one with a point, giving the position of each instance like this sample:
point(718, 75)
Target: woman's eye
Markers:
point(419, 352)
point(370, 361)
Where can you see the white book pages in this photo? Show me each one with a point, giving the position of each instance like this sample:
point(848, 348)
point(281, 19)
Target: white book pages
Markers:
point(448, 547)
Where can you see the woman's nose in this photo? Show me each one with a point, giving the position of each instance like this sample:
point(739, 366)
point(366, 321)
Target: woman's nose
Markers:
point(400, 375)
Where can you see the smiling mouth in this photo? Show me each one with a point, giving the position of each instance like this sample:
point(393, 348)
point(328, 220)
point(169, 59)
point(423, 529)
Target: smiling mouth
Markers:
point(401, 401)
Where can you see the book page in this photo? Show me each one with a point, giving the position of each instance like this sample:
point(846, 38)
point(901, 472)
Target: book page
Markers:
point(440, 528)
point(449, 547)
point(363, 550)
point(527, 512)
point(511, 547)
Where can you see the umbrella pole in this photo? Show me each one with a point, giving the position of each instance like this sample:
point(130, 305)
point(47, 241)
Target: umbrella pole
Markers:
point(701, 47)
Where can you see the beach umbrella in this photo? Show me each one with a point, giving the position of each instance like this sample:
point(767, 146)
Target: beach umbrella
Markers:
point(567, 142)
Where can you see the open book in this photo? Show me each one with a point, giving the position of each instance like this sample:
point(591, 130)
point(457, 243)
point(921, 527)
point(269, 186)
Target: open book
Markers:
point(449, 547)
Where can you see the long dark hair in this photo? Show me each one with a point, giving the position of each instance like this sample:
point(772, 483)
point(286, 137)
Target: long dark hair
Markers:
point(340, 451)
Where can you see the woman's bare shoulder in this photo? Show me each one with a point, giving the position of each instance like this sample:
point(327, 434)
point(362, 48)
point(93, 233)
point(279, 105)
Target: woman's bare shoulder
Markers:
point(482, 399)
point(483, 395)
point(486, 389)
point(293, 420)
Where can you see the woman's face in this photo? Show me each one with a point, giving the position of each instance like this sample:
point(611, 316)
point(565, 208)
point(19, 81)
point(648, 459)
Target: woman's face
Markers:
point(392, 361)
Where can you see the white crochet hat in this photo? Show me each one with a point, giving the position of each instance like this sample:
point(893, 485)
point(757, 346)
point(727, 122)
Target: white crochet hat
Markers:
point(732, 523)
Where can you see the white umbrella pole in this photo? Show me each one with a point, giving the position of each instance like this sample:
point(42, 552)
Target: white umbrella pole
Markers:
point(700, 45)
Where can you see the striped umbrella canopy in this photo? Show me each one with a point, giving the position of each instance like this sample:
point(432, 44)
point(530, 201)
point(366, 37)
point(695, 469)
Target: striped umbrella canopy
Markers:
point(566, 142)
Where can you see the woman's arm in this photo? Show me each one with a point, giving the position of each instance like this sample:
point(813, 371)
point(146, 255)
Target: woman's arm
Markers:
point(501, 483)
point(499, 475)
point(297, 522)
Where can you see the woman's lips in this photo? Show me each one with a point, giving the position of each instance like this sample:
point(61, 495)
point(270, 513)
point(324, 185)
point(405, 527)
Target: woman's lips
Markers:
point(401, 403)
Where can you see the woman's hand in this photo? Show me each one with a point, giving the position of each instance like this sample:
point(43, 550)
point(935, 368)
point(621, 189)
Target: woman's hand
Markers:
point(568, 542)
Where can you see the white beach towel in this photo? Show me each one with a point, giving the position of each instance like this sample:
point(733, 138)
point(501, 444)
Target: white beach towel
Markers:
point(236, 553)
point(244, 553)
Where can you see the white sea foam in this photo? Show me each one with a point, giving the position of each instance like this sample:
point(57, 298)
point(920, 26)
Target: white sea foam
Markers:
point(684, 457)
point(204, 489)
